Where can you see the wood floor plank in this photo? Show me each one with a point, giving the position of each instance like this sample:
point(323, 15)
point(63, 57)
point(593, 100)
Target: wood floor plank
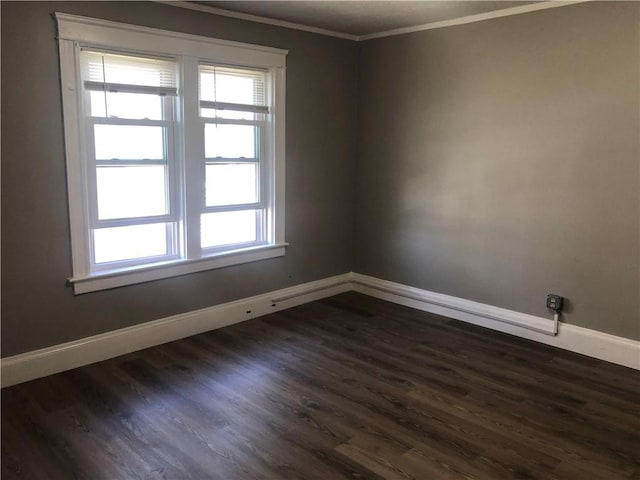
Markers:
point(252, 422)
point(347, 387)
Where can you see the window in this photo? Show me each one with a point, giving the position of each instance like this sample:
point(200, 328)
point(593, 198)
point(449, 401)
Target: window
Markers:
point(130, 130)
point(233, 110)
point(175, 152)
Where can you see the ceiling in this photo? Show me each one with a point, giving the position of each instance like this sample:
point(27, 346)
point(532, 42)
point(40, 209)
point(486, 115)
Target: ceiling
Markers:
point(357, 17)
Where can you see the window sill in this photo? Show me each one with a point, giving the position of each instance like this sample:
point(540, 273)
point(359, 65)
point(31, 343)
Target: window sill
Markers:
point(147, 273)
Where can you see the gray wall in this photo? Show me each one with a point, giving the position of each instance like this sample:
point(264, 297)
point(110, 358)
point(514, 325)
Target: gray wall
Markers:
point(38, 309)
point(498, 162)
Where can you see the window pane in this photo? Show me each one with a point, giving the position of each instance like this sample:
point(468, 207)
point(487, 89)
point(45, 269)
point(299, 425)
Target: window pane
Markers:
point(131, 191)
point(231, 184)
point(226, 228)
point(126, 243)
point(127, 142)
point(229, 141)
point(126, 105)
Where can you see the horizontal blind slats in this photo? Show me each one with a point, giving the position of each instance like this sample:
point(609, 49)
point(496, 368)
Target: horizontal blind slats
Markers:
point(114, 69)
point(233, 87)
point(120, 87)
point(234, 106)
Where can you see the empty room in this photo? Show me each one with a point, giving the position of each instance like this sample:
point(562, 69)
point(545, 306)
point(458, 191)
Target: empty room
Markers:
point(320, 240)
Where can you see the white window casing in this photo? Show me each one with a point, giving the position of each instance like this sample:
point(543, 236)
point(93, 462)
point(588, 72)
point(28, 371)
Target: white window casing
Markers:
point(178, 63)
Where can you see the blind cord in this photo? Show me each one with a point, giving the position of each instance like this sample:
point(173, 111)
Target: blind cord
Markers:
point(215, 92)
point(104, 78)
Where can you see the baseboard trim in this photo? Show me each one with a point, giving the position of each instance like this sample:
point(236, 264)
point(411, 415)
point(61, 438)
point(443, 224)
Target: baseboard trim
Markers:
point(455, 307)
point(619, 350)
point(58, 358)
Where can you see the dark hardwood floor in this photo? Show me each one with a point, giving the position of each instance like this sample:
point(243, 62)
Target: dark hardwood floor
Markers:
point(344, 388)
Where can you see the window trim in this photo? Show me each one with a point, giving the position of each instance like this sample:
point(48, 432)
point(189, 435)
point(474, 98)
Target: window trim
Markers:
point(158, 271)
point(75, 31)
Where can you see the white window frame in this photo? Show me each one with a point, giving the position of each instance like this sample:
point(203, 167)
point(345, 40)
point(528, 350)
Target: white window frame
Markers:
point(75, 32)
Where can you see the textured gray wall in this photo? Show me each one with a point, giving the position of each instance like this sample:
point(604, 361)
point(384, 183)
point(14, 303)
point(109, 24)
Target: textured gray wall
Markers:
point(498, 161)
point(37, 308)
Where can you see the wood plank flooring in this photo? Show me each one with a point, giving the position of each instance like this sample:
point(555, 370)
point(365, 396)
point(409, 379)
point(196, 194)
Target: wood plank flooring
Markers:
point(344, 388)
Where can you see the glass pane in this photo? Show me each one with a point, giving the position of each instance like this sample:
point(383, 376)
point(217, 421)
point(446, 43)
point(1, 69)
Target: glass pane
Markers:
point(126, 243)
point(131, 191)
point(127, 142)
point(229, 141)
point(126, 105)
point(226, 228)
point(231, 184)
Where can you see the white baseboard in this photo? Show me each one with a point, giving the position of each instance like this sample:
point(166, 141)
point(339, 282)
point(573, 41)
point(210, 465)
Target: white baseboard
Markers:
point(58, 358)
point(619, 350)
point(453, 307)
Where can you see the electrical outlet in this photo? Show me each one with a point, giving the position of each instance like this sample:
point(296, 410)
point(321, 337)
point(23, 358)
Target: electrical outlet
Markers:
point(554, 302)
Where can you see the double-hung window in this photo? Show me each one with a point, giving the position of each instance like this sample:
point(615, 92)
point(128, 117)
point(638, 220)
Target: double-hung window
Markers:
point(233, 110)
point(175, 152)
point(130, 157)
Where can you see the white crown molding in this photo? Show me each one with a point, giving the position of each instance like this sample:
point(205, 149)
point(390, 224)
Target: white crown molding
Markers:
point(257, 19)
point(58, 358)
point(505, 12)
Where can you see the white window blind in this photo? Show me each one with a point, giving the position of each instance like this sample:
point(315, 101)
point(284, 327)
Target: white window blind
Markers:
point(128, 74)
point(228, 88)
